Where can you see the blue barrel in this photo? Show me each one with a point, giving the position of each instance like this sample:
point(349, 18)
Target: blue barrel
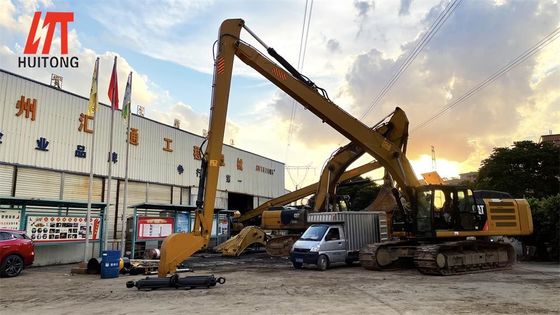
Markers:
point(110, 264)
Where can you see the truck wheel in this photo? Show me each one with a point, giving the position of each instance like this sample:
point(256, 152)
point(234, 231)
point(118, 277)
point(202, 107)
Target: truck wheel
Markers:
point(297, 265)
point(322, 263)
point(349, 262)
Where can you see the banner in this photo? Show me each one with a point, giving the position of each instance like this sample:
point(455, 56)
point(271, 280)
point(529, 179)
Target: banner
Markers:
point(154, 228)
point(10, 219)
point(61, 229)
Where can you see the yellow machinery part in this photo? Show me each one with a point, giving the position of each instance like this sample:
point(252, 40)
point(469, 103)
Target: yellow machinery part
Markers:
point(236, 245)
point(272, 220)
point(280, 246)
point(176, 248)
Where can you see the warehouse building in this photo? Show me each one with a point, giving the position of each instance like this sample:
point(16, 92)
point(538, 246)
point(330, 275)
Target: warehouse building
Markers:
point(45, 150)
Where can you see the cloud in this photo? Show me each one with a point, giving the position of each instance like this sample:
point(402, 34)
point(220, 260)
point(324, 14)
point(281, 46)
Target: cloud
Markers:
point(460, 56)
point(333, 45)
point(405, 7)
point(352, 59)
point(76, 80)
point(364, 7)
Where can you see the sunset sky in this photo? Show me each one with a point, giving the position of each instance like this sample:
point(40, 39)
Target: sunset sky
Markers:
point(353, 49)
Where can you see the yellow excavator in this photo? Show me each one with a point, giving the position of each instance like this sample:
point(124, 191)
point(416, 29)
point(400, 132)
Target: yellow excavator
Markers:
point(287, 224)
point(326, 199)
point(443, 229)
point(279, 219)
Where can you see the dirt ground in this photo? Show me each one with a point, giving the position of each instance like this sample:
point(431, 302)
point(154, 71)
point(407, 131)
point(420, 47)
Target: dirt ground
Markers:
point(258, 284)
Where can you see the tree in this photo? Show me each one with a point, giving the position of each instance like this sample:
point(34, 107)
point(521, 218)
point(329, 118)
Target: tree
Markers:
point(546, 227)
point(527, 169)
point(362, 192)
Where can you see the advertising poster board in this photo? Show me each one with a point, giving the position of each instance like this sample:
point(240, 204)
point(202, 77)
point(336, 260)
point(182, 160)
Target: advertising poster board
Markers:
point(154, 228)
point(61, 229)
point(182, 224)
point(10, 219)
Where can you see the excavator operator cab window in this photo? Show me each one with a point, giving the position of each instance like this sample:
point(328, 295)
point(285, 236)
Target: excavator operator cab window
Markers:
point(445, 216)
point(424, 213)
point(468, 211)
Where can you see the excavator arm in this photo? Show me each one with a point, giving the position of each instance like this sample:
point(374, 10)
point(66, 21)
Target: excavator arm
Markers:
point(389, 154)
point(179, 246)
point(348, 154)
point(304, 192)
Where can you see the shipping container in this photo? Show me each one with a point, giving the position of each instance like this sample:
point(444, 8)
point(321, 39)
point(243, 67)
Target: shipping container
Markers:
point(360, 227)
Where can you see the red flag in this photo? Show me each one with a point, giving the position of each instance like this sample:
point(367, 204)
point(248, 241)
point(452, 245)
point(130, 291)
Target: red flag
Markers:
point(114, 87)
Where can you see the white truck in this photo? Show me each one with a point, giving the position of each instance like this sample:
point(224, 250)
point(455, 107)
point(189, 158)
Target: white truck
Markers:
point(336, 237)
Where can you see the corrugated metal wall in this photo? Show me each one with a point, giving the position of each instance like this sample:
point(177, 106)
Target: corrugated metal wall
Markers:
point(57, 120)
point(6, 179)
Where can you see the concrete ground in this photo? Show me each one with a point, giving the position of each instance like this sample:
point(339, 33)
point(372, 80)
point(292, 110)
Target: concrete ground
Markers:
point(258, 284)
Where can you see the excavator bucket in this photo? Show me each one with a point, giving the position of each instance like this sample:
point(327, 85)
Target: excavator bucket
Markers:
point(236, 245)
point(384, 203)
point(176, 248)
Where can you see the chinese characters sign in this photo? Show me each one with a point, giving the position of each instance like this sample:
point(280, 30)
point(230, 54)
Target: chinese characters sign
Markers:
point(134, 137)
point(61, 229)
point(154, 228)
point(42, 144)
point(27, 106)
point(84, 123)
point(167, 145)
point(196, 153)
point(239, 164)
point(265, 170)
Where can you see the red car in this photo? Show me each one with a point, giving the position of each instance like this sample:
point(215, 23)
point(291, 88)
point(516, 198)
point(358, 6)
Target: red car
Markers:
point(16, 252)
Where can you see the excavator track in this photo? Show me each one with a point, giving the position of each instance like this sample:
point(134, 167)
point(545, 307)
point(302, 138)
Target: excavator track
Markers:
point(387, 255)
point(462, 257)
point(280, 246)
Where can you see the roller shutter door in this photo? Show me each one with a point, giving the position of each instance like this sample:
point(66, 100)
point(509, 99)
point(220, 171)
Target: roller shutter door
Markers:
point(159, 193)
point(36, 183)
point(6, 180)
point(221, 200)
point(136, 195)
point(76, 188)
point(186, 195)
point(176, 196)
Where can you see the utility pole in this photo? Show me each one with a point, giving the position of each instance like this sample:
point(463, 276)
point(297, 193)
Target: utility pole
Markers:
point(434, 166)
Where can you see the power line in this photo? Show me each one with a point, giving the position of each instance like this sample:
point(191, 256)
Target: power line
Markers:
point(515, 62)
point(434, 28)
point(301, 58)
point(307, 168)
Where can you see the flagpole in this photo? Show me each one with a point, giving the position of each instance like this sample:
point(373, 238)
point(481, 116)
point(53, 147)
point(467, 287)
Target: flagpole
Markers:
point(125, 201)
point(90, 186)
point(105, 238)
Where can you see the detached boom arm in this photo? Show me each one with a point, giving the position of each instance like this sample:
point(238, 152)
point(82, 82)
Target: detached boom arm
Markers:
point(305, 191)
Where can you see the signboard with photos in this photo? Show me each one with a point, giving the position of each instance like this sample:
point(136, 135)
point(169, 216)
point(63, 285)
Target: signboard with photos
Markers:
point(10, 219)
point(154, 228)
point(61, 229)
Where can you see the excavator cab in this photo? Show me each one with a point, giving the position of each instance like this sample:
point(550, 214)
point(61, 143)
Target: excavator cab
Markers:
point(440, 208)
